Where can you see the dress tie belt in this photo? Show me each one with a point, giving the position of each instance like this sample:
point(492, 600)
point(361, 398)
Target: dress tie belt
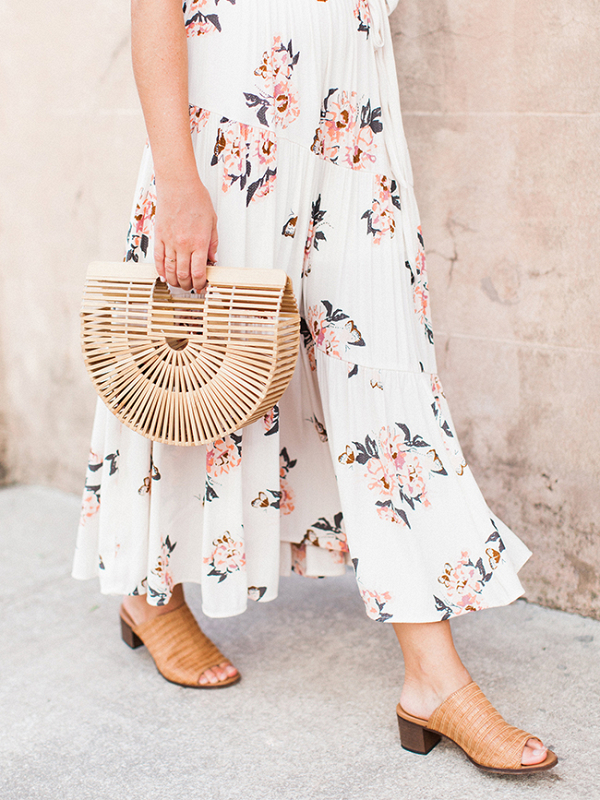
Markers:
point(393, 129)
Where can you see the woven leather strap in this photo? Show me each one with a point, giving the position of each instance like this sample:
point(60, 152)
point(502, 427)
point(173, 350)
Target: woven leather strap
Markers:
point(469, 719)
point(180, 650)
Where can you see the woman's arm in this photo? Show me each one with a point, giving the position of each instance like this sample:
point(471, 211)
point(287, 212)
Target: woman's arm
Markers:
point(185, 222)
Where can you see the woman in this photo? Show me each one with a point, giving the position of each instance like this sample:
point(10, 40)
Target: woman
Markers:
point(276, 138)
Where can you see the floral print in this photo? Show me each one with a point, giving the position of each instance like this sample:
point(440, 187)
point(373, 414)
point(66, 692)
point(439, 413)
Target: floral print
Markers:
point(380, 217)
point(329, 535)
point(308, 343)
point(287, 495)
point(197, 23)
point(198, 118)
point(224, 455)
point(246, 152)
point(464, 581)
point(375, 603)
point(227, 556)
point(314, 235)
point(397, 467)
point(290, 144)
point(141, 226)
point(162, 572)
point(276, 103)
point(271, 421)
point(418, 279)
point(363, 15)
point(90, 504)
point(347, 130)
point(289, 229)
point(153, 475)
point(332, 330)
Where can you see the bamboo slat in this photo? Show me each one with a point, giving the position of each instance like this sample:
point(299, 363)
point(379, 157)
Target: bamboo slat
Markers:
point(187, 371)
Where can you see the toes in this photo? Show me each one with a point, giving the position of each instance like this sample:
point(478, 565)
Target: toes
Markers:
point(217, 674)
point(534, 752)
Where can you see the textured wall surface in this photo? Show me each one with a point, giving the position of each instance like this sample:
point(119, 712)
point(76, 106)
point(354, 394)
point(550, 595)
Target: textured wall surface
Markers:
point(501, 104)
point(502, 115)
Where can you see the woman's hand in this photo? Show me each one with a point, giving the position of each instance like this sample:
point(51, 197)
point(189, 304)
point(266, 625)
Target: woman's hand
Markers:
point(185, 232)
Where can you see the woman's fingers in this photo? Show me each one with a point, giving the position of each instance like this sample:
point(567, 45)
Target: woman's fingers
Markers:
point(159, 258)
point(198, 270)
point(171, 268)
point(214, 243)
point(184, 279)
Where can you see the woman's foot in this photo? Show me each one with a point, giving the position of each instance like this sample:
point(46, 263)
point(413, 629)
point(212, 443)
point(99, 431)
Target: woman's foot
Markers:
point(141, 611)
point(425, 647)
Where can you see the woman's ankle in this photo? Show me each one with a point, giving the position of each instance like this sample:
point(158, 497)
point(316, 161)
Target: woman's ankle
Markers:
point(423, 692)
point(141, 611)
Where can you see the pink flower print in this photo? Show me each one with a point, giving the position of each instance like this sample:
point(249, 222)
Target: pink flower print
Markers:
point(265, 187)
point(397, 467)
point(362, 13)
point(299, 559)
point(286, 504)
point(286, 464)
point(224, 455)
point(244, 152)
point(322, 334)
point(264, 148)
point(361, 151)
point(271, 421)
point(142, 225)
point(276, 99)
point(463, 583)
point(162, 571)
point(332, 329)
point(198, 118)
point(421, 297)
point(380, 217)
point(379, 479)
point(418, 279)
point(347, 128)
point(197, 23)
point(90, 504)
point(375, 603)
point(328, 535)
point(285, 107)
point(226, 557)
point(340, 117)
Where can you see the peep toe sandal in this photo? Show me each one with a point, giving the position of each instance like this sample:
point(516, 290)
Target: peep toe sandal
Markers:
point(469, 720)
point(180, 650)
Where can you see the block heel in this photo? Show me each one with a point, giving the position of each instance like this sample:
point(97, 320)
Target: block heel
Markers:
point(181, 652)
point(128, 636)
point(416, 738)
point(469, 720)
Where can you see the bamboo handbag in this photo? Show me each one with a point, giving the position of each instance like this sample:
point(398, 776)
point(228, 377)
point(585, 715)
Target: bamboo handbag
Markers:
point(189, 370)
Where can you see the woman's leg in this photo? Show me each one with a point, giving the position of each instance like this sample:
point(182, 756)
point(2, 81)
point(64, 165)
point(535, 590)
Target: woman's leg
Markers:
point(433, 670)
point(141, 611)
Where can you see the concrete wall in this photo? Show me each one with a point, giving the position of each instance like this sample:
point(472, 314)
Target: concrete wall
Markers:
point(501, 105)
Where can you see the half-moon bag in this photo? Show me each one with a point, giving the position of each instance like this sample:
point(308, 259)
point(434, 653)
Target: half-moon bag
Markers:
point(188, 370)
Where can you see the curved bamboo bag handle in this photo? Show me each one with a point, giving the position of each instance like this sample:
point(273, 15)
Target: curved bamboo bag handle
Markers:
point(188, 370)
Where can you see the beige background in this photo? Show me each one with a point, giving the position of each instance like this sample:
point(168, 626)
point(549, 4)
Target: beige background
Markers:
point(502, 111)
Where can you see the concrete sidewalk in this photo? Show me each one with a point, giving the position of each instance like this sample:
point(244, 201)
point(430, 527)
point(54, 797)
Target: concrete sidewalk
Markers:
point(83, 716)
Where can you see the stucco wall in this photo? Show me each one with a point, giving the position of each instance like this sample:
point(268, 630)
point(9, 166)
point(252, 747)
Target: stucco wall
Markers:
point(501, 105)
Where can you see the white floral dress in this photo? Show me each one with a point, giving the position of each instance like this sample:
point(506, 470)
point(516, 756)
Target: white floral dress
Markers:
point(295, 120)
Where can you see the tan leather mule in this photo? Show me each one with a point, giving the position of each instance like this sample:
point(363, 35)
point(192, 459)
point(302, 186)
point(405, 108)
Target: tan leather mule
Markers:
point(180, 650)
point(469, 720)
